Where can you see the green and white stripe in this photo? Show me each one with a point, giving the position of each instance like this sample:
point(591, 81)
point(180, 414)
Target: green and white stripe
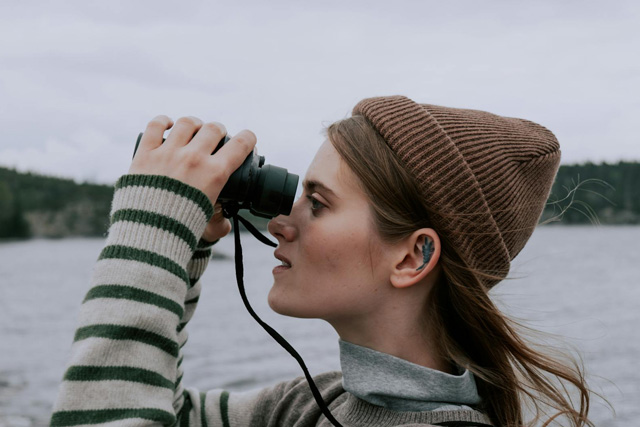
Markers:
point(124, 363)
point(148, 277)
point(91, 352)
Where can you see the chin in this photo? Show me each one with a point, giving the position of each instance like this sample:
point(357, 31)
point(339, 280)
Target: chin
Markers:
point(283, 304)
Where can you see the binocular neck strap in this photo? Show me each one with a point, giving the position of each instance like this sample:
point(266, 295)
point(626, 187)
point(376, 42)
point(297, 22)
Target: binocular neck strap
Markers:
point(275, 335)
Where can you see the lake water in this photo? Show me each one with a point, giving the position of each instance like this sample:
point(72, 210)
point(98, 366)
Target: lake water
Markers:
point(579, 282)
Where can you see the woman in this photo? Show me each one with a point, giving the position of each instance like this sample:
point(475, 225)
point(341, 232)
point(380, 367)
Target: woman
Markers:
point(410, 214)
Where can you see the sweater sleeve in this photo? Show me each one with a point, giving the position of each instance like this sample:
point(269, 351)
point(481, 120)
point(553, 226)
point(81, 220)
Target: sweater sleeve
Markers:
point(125, 359)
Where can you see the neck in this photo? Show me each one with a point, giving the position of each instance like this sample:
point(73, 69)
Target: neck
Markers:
point(396, 335)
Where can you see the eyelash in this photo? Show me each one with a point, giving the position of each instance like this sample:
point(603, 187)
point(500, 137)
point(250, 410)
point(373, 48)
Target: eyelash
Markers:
point(314, 208)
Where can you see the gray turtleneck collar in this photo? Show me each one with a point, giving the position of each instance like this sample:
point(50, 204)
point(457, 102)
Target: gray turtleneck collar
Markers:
point(397, 384)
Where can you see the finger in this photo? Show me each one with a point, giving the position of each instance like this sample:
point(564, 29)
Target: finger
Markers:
point(217, 211)
point(209, 136)
point(232, 154)
point(216, 230)
point(152, 136)
point(183, 131)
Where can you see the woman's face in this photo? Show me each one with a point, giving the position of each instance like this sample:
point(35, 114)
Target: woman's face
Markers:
point(338, 268)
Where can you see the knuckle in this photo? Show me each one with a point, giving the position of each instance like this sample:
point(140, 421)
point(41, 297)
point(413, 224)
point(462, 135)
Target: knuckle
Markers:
point(196, 120)
point(220, 177)
point(213, 127)
point(188, 121)
point(158, 122)
point(192, 162)
point(191, 159)
point(244, 140)
point(248, 137)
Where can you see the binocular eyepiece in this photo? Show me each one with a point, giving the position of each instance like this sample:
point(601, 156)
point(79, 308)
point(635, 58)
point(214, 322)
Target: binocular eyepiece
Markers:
point(265, 190)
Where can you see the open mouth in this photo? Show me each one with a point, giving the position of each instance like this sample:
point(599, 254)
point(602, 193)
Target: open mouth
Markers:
point(285, 263)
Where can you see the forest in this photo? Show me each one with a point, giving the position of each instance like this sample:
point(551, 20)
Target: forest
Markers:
point(39, 206)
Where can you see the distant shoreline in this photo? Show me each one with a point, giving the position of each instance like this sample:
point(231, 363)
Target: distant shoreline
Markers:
point(39, 206)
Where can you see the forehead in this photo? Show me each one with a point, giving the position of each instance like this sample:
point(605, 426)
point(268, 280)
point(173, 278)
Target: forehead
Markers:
point(329, 169)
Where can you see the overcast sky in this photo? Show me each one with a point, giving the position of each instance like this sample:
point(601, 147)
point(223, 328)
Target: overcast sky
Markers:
point(80, 79)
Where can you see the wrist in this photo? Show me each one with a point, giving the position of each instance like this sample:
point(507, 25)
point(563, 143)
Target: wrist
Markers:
point(206, 244)
point(158, 214)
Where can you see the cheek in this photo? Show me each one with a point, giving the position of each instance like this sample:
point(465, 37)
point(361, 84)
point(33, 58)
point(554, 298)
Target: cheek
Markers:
point(338, 252)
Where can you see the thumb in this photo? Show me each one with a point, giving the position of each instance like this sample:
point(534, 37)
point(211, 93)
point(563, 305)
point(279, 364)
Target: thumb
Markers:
point(218, 225)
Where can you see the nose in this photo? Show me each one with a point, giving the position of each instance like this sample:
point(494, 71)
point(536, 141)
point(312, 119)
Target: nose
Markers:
point(281, 228)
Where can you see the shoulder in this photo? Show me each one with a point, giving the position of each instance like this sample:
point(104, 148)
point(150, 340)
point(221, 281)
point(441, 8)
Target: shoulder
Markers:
point(298, 392)
point(289, 401)
point(324, 381)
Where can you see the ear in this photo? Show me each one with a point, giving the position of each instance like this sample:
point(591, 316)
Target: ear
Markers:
point(416, 258)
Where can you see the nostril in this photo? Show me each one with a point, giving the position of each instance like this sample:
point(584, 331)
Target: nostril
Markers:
point(273, 227)
point(281, 227)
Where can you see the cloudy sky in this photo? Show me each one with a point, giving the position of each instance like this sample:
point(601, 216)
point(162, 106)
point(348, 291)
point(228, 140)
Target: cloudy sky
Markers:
point(80, 79)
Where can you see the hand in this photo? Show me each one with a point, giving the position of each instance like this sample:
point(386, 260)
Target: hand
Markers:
point(188, 158)
point(218, 226)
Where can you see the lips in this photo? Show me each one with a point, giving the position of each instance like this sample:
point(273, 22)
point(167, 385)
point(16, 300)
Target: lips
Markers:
point(280, 257)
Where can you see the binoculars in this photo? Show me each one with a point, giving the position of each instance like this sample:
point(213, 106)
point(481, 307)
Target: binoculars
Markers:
point(265, 190)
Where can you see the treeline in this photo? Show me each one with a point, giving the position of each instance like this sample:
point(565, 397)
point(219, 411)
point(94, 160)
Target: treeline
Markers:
point(596, 193)
point(33, 205)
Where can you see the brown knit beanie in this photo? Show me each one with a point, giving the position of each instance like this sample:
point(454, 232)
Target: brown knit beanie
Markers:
point(487, 177)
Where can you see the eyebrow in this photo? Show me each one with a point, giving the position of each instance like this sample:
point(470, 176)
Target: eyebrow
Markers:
point(311, 185)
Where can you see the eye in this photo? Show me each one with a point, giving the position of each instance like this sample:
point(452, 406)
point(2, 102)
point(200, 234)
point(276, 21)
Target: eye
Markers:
point(315, 204)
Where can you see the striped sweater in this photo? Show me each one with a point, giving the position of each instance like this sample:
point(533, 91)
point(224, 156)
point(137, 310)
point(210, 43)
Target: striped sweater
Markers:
point(125, 364)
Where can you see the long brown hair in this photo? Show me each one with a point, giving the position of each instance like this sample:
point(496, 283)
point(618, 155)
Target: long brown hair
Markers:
point(470, 330)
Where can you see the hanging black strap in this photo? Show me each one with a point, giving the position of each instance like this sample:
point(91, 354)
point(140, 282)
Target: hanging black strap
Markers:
point(257, 234)
point(275, 335)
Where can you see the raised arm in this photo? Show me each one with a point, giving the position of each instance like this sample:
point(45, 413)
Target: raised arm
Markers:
point(125, 357)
